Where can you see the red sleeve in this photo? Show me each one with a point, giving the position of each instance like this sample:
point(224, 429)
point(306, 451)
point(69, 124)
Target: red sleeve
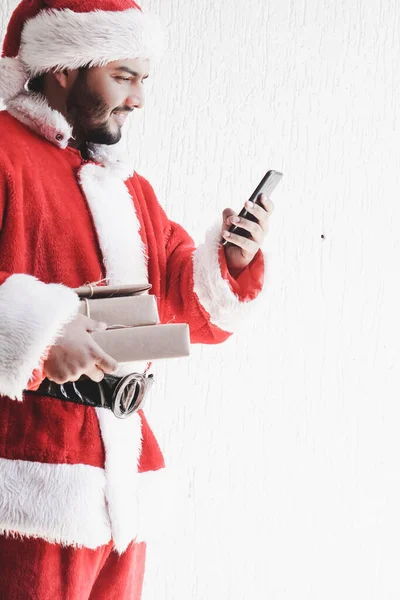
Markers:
point(38, 375)
point(250, 281)
point(3, 204)
point(151, 458)
point(200, 289)
point(182, 303)
point(31, 315)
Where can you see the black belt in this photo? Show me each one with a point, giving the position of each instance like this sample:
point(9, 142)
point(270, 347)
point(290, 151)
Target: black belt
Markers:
point(123, 395)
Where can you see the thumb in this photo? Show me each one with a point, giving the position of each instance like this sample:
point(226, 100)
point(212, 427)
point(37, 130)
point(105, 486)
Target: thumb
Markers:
point(228, 212)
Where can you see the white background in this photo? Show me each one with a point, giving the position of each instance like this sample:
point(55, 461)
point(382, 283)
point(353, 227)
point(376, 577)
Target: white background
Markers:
point(283, 443)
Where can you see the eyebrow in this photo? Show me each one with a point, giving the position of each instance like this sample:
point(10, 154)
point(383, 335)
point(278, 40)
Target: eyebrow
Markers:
point(133, 73)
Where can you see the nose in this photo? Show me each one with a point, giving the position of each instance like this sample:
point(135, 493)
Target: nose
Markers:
point(136, 97)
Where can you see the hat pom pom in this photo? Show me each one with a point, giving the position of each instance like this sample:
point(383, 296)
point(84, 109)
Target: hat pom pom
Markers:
point(13, 77)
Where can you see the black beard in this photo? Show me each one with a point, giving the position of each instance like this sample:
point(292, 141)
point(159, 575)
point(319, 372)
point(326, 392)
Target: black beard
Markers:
point(84, 108)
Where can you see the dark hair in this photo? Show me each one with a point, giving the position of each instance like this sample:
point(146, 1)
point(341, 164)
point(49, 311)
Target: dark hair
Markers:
point(36, 84)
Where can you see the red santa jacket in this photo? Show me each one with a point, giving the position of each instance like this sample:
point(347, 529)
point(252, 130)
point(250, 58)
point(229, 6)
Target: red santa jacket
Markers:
point(72, 474)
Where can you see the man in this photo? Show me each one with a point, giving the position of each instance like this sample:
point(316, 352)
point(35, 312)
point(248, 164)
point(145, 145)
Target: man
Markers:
point(72, 505)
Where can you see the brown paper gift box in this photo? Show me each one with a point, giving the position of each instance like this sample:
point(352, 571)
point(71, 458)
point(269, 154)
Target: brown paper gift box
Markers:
point(145, 343)
point(128, 311)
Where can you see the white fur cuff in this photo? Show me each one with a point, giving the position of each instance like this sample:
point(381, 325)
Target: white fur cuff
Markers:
point(214, 293)
point(32, 314)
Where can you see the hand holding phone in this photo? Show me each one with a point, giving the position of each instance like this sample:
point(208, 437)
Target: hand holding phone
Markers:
point(266, 186)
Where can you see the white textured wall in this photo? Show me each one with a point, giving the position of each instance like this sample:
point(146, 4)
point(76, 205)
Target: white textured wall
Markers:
point(284, 442)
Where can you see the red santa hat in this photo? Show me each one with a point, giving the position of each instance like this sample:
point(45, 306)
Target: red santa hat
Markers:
point(56, 34)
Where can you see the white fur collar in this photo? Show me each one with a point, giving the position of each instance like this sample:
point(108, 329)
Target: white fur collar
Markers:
point(33, 110)
point(114, 158)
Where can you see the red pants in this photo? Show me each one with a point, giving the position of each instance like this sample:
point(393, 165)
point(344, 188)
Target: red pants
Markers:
point(32, 569)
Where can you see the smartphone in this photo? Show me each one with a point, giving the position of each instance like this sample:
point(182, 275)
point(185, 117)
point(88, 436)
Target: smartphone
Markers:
point(266, 186)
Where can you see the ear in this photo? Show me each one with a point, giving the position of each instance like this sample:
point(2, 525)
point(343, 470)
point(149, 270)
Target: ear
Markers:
point(63, 78)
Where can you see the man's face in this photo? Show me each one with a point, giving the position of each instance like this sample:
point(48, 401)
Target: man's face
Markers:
point(100, 99)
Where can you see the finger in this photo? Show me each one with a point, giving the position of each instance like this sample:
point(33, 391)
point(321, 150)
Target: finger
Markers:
point(73, 376)
point(60, 377)
point(95, 374)
point(61, 371)
point(267, 203)
point(262, 214)
point(250, 246)
point(255, 229)
point(104, 361)
point(228, 212)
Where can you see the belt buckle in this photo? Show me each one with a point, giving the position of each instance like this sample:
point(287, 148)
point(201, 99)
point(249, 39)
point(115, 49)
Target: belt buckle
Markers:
point(130, 394)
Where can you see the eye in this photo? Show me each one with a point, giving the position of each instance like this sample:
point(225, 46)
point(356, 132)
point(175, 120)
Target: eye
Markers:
point(123, 78)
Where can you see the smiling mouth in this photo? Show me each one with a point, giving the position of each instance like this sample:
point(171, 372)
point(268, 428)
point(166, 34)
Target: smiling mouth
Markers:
point(120, 117)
